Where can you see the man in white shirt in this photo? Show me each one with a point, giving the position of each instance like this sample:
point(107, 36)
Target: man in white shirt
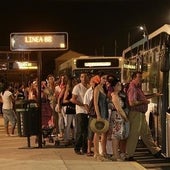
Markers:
point(7, 109)
point(81, 115)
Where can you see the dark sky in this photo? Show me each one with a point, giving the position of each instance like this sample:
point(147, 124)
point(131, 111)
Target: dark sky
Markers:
point(93, 25)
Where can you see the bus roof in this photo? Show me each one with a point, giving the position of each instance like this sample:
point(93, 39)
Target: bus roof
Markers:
point(93, 57)
point(165, 28)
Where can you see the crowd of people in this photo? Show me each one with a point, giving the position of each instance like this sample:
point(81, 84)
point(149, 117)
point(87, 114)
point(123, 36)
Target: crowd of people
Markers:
point(73, 105)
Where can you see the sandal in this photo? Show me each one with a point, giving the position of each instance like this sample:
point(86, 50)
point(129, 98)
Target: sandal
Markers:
point(90, 153)
point(99, 157)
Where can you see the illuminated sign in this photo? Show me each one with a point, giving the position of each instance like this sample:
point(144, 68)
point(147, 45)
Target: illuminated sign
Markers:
point(97, 64)
point(25, 65)
point(43, 41)
point(129, 66)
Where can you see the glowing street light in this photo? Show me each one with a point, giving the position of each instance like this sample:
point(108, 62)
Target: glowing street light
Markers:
point(143, 28)
point(145, 33)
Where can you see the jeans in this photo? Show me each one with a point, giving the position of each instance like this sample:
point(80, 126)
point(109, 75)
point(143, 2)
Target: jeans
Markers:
point(81, 132)
point(70, 119)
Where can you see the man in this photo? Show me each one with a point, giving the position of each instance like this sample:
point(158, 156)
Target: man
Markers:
point(8, 99)
point(78, 93)
point(138, 125)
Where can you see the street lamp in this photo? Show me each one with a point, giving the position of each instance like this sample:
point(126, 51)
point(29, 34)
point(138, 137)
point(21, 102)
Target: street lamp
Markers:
point(142, 29)
point(145, 34)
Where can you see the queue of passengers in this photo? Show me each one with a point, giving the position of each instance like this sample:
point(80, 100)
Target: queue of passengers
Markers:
point(51, 89)
point(93, 111)
point(113, 108)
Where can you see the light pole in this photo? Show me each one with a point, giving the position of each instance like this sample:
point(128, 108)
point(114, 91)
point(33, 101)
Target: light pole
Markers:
point(145, 34)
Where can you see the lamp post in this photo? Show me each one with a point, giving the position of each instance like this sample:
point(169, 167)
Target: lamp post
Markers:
point(145, 34)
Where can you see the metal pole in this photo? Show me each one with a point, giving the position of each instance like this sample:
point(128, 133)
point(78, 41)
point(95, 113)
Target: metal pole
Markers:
point(164, 110)
point(129, 39)
point(146, 35)
point(39, 99)
point(115, 48)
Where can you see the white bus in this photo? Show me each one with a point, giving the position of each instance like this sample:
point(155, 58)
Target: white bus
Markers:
point(151, 55)
point(92, 65)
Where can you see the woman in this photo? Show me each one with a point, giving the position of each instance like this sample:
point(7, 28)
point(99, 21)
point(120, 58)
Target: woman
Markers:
point(101, 109)
point(70, 110)
point(60, 90)
point(118, 117)
point(89, 105)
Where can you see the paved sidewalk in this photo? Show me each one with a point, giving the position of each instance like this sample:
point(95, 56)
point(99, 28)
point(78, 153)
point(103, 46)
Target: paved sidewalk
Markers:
point(16, 155)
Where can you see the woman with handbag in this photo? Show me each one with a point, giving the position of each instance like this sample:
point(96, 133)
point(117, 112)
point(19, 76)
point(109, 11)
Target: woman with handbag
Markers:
point(69, 110)
point(101, 109)
point(89, 105)
point(118, 118)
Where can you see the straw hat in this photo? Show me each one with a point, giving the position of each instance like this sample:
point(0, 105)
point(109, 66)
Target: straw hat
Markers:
point(99, 126)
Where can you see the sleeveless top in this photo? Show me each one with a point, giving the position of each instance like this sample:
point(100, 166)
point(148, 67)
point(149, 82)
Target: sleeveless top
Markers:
point(70, 104)
point(103, 105)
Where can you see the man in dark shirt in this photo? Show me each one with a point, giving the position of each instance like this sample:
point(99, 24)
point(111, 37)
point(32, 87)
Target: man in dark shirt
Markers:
point(138, 103)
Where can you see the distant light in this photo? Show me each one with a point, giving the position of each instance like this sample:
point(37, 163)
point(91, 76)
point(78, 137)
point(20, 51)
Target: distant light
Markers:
point(62, 45)
point(144, 30)
point(141, 28)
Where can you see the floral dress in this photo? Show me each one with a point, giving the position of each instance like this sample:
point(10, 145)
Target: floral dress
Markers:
point(118, 127)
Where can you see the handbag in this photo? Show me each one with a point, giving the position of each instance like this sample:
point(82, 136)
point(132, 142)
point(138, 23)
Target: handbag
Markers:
point(70, 108)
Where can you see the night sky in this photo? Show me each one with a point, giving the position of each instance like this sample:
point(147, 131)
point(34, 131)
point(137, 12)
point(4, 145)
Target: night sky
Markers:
point(95, 27)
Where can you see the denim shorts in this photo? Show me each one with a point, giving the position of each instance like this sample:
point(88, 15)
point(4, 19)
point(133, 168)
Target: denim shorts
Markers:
point(9, 116)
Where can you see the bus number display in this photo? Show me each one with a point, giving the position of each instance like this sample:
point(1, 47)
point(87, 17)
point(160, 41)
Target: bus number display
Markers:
point(84, 63)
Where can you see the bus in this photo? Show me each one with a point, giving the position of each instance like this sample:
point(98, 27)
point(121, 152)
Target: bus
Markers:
point(151, 55)
point(92, 65)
